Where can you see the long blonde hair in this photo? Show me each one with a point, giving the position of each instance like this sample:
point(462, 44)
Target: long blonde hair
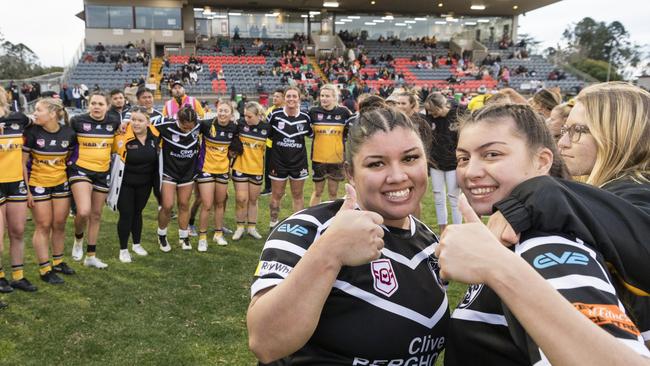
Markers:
point(619, 113)
point(4, 101)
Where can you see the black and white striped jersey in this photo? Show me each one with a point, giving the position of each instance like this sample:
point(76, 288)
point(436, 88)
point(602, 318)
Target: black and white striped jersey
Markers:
point(484, 332)
point(288, 135)
point(390, 311)
point(179, 154)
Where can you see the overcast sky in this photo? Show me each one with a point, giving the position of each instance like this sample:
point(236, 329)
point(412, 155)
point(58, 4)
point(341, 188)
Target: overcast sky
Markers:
point(51, 29)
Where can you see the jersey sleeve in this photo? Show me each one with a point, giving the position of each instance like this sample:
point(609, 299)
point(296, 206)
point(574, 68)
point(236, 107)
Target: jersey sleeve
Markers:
point(282, 251)
point(577, 273)
point(617, 228)
point(29, 140)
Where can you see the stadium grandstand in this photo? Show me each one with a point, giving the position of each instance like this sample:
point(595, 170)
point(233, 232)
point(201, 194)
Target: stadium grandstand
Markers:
point(239, 47)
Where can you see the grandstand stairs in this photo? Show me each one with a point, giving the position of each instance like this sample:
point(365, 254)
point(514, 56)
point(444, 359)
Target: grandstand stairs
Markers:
point(154, 69)
point(317, 70)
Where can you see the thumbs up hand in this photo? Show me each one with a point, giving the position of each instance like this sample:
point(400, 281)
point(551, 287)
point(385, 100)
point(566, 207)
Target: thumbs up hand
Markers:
point(355, 237)
point(468, 252)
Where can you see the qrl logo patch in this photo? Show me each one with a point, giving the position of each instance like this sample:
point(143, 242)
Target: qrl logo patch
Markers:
point(384, 277)
point(86, 126)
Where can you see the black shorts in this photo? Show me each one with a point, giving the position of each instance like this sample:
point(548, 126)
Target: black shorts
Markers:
point(46, 193)
point(179, 179)
point(321, 171)
point(240, 177)
point(204, 177)
point(99, 180)
point(284, 174)
point(13, 192)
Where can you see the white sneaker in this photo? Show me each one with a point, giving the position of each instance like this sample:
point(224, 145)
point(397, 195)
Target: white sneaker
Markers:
point(125, 256)
point(139, 250)
point(219, 239)
point(93, 261)
point(78, 249)
point(273, 224)
point(185, 243)
point(253, 232)
point(193, 231)
point(238, 233)
point(203, 245)
point(164, 244)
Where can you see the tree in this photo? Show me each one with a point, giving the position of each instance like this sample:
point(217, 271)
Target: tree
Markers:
point(603, 42)
point(17, 61)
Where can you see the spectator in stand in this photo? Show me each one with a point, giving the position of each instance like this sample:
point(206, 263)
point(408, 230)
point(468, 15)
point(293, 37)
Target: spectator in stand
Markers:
point(88, 58)
point(101, 58)
point(505, 76)
point(130, 45)
point(76, 96)
point(118, 66)
point(100, 47)
point(180, 99)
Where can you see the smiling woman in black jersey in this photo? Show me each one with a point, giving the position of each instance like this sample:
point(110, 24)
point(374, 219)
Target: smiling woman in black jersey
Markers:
point(354, 281)
point(47, 147)
point(499, 148)
point(289, 126)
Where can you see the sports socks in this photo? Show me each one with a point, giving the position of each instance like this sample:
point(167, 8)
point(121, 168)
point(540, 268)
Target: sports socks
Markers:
point(91, 249)
point(2, 272)
point(17, 273)
point(203, 235)
point(57, 259)
point(252, 225)
point(44, 267)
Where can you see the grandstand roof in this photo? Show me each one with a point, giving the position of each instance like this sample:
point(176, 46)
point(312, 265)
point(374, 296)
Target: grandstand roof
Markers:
point(430, 7)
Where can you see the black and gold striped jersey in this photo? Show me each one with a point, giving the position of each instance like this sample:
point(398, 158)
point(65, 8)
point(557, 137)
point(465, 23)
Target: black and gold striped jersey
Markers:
point(330, 127)
point(94, 141)
point(48, 153)
point(215, 142)
point(253, 140)
point(12, 127)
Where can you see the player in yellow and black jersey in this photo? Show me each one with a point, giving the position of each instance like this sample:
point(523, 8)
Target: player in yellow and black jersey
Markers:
point(89, 173)
point(329, 123)
point(248, 168)
point(13, 193)
point(214, 170)
point(47, 147)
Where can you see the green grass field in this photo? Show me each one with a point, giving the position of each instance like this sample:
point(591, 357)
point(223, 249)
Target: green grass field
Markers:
point(178, 308)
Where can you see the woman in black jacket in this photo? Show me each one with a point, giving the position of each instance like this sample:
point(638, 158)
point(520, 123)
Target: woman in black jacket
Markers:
point(443, 119)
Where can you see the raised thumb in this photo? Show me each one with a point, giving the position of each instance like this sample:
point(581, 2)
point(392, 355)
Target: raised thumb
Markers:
point(467, 211)
point(350, 202)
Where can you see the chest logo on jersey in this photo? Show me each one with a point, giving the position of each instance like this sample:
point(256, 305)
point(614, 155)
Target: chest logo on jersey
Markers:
point(263, 132)
point(472, 293)
point(15, 126)
point(319, 116)
point(300, 128)
point(64, 144)
point(246, 129)
point(176, 138)
point(549, 259)
point(86, 126)
point(296, 230)
point(40, 142)
point(53, 143)
point(109, 128)
point(281, 125)
point(384, 280)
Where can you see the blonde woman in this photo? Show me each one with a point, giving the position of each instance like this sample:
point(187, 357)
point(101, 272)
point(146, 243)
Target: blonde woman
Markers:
point(47, 146)
point(329, 121)
point(248, 169)
point(606, 138)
